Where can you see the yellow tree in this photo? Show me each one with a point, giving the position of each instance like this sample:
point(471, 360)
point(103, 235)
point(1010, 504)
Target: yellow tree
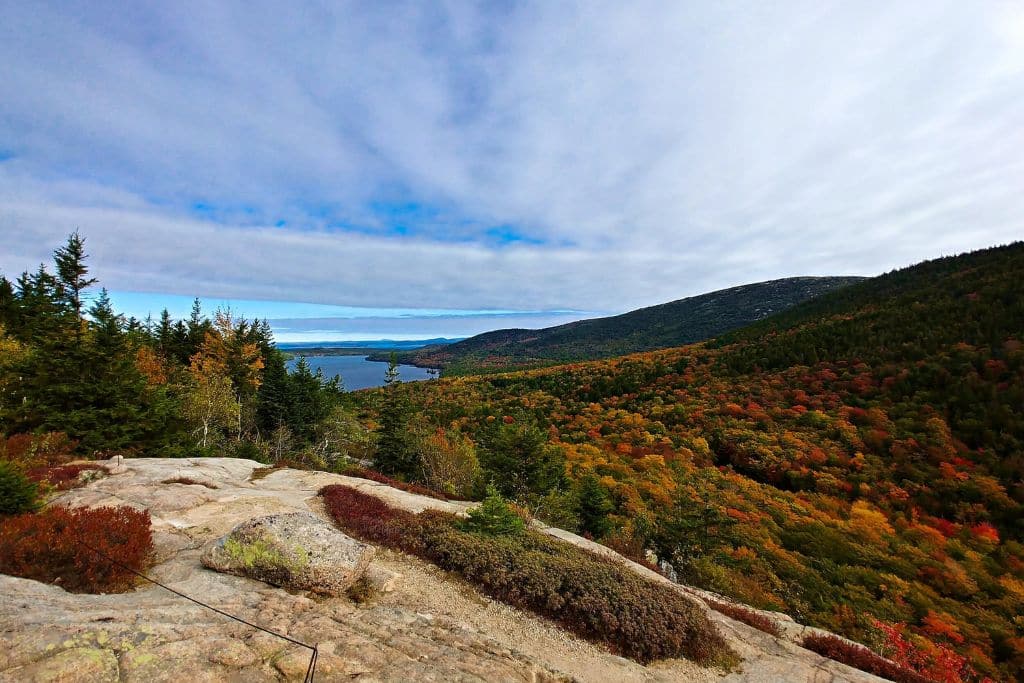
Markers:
point(209, 404)
point(227, 354)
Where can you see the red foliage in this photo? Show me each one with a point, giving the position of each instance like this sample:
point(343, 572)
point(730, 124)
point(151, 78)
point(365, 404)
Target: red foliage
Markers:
point(61, 477)
point(38, 450)
point(631, 548)
point(363, 473)
point(370, 518)
point(745, 615)
point(859, 657)
point(985, 532)
point(51, 547)
point(937, 662)
point(591, 596)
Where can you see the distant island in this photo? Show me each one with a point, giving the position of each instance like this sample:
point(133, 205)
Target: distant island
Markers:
point(378, 349)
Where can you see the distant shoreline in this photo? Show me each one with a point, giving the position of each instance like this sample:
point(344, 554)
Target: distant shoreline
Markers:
point(378, 351)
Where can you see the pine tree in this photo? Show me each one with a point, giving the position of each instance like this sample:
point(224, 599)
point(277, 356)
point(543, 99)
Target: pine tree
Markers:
point(272, 399)
point(522, 460)
point(593, 506)
point(494, 517)
point(396, 449)
point(164, 334)
point(72, 272)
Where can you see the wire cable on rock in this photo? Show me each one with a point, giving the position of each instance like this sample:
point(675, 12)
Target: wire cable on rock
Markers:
point(310, 670)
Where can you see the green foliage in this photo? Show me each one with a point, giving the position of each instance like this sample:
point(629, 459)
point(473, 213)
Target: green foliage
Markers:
point(517, 457)
point(396, 440)
point(192, 387)
point(494, 517)
point(593, 506)
point(260, 554)
point(18, 493)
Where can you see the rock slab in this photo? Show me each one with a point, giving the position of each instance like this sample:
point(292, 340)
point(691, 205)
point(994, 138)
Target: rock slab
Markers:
point(298, 550)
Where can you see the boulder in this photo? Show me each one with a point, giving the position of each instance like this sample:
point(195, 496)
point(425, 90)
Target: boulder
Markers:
point(297, 550)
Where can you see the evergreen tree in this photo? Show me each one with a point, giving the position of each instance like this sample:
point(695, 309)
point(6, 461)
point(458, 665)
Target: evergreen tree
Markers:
point(519, 460)
point(593, 506)
point(79, 378)
point(494, 517)
point(72, 272)
point(272, 399)
point(396, 444)
point(310, 400)
point(164, 335)
point(8, 304)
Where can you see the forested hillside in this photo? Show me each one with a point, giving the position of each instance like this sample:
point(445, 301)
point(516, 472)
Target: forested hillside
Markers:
point(657, 327)
point(856, 461)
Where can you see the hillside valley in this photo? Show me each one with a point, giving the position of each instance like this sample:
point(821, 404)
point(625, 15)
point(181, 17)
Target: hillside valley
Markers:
point(855, 461)
point(675, 323)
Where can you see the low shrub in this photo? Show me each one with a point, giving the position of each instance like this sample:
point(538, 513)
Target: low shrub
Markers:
point(63, 477)
point(188, 481)
point(362, 591)
point(51, 546)
point(18, 493)
point(630, 547)
point(593, 597)
point(860, 657)
point(37, 450)
point(746, 615)
point(419, 489)
point(371, 519)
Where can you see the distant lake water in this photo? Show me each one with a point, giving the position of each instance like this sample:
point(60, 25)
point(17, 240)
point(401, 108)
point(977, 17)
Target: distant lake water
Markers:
point(359, 373)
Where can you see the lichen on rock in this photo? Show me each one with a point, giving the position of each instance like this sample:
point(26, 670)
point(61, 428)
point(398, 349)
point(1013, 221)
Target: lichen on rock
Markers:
point(296, 550)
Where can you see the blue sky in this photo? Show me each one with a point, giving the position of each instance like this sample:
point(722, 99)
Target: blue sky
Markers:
point(506, 164)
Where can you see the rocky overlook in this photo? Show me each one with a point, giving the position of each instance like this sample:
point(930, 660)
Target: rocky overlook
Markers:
point(423, 624)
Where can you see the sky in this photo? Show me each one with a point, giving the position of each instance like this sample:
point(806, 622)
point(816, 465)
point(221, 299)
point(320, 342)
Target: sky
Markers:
point(391, 169)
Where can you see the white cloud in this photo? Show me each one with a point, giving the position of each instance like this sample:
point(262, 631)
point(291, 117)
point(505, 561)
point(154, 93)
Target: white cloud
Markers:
point(654, 150)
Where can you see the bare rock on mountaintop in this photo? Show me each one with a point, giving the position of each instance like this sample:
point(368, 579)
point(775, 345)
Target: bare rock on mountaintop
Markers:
point(297, 550)
point(425, 626)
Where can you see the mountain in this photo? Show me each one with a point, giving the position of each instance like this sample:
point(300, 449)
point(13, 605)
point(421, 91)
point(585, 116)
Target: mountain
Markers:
point(856, 461)
point(676, 323)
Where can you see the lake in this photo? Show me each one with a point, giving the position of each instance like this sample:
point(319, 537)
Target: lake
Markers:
point(359, 373)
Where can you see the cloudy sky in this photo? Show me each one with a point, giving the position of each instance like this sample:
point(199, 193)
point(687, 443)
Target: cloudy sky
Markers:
point(444, 168)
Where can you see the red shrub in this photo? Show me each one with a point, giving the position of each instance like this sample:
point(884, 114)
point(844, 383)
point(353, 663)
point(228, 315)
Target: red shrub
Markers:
point(746, 615)
point(371, 519)
point(61, 477)
point(36, 450)
point(419, 489)
point(631, 548)
point(56, 546)
point(859, 657)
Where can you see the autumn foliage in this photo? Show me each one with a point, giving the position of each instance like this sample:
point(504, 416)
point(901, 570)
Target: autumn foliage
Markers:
point(67, 547)
point(855, 459)
point(859, 657)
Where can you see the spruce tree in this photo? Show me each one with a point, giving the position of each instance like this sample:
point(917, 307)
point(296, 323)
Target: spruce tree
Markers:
point(396, 449)
point(593, 506)
point(72, 272)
